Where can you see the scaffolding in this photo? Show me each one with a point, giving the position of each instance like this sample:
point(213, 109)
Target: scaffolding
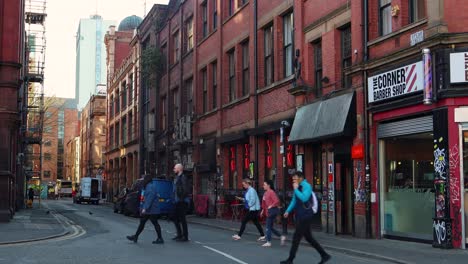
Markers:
point(33, 109)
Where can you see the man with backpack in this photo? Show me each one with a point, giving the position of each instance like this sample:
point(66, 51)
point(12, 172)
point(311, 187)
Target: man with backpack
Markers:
point(305, 205)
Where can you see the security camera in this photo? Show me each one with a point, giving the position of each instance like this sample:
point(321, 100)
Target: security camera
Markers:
point(285, 123)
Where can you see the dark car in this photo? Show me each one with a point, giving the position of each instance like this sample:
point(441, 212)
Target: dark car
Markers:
point(119, 203)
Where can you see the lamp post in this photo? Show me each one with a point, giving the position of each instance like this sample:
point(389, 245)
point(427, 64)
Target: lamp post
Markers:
point(284, 125)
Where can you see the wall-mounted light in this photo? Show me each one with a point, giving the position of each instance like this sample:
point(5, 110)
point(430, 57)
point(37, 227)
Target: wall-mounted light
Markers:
point(325, 79)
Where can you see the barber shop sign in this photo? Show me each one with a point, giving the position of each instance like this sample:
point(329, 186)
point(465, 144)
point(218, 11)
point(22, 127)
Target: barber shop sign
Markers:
point(395, 83)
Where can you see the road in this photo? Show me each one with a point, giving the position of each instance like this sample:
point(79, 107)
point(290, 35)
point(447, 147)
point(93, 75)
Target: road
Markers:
point(100, 238)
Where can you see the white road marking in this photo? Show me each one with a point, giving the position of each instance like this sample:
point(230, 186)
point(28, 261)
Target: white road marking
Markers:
point(226, 255)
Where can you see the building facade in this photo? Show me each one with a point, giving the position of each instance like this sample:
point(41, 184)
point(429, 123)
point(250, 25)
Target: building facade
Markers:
point(72, 161)
point(12, 54)
point(93, 137)
point(59, 125)
point(90, 57)
point(123, 114)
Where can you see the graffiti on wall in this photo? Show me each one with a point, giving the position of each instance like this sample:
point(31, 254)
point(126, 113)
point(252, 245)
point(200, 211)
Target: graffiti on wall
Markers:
point(442, 232)
point(440, 182)
point(454, 162)
point(360, 194)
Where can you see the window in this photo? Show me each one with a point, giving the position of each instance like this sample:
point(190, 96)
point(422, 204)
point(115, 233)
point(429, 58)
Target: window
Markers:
point(163, 113)
point(205, 90)
point(111, 137)
point(215, 14)
point(242, 2)
point(268, 40)
point(165, 56)
point(175, 103)
point(47, 156)
point(189, 35)
point(205, 20)
point(246, 160)
point(130, 126)
point(270, 157)
point(245, 68)
point(232, 76)
point(130, 89)
point(385, 17)
point(46, 174)
point(117, 135)
point(288, 49)
point(48, 129)
point(231, 7)
point(346, 55)
point(214, 68)
point(111, 106)
point(176, 42)
point(48, 143)
point(318, 67)
point(124, 130)
point(124, 94)
point(117, 102)
point(189, 92)
point(417, 10)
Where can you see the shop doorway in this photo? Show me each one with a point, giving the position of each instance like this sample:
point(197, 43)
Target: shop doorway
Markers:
point(343, 193)
point(465, 180)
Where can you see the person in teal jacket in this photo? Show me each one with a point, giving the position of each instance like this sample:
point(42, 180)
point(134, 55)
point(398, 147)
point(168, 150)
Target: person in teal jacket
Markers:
point(304, 204)
point(150, 210)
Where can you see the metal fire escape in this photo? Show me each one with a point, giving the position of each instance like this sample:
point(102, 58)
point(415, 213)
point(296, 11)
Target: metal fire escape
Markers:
point(33, 110)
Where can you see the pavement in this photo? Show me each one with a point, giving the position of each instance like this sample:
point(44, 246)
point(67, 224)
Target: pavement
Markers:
point(393, 251)
point(34, 224)
point(72, 232)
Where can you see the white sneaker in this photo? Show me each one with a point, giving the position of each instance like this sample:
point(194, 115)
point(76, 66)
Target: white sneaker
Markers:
point(236, 237)
point(262, 238)
point(283, 240)
point(267, 244)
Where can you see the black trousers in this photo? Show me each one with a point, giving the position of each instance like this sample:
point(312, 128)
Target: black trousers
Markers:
point(180, 220)
point(153, 219)
point(303, 230)
point(251, 216)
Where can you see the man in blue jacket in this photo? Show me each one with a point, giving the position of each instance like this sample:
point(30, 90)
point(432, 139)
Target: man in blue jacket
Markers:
point(149, 210)
point(305, 206)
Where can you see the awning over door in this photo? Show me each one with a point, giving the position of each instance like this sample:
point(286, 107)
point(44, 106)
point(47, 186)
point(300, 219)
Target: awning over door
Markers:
point(325, 119)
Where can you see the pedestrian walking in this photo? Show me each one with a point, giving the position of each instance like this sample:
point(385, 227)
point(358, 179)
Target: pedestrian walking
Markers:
point(252, 204)
point(30, 197)
point(270, 209)
point(149, 210)
point(304, 203)
point(181, 204)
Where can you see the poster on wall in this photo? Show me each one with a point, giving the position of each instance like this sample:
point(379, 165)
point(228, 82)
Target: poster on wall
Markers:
point(395, 83)
point(299, 159)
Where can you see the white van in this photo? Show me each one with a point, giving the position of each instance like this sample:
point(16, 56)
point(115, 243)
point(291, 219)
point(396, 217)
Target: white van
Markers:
point(90, 191)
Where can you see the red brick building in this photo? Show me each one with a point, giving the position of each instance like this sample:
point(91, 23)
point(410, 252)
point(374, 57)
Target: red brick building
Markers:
point(123, 95)
point(11, 75)
point(334, 90)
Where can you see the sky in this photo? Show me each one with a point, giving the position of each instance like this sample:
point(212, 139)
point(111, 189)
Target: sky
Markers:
point(63, 17)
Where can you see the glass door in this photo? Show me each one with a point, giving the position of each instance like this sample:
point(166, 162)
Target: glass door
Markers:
point(465, 178)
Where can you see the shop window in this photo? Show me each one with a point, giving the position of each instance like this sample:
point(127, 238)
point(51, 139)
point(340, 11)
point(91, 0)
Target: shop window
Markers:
point(385, 17)
point(246, 160)
point(407, 186)
point(232, 167)
point(270, 158)
point(417, 10)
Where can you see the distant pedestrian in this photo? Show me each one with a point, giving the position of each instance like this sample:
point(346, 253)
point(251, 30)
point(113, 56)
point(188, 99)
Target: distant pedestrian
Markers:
point(252, 204)
point(304, 203)
point(30, 197)
point(150, 210)
point(181, 204)
point(270, 209)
